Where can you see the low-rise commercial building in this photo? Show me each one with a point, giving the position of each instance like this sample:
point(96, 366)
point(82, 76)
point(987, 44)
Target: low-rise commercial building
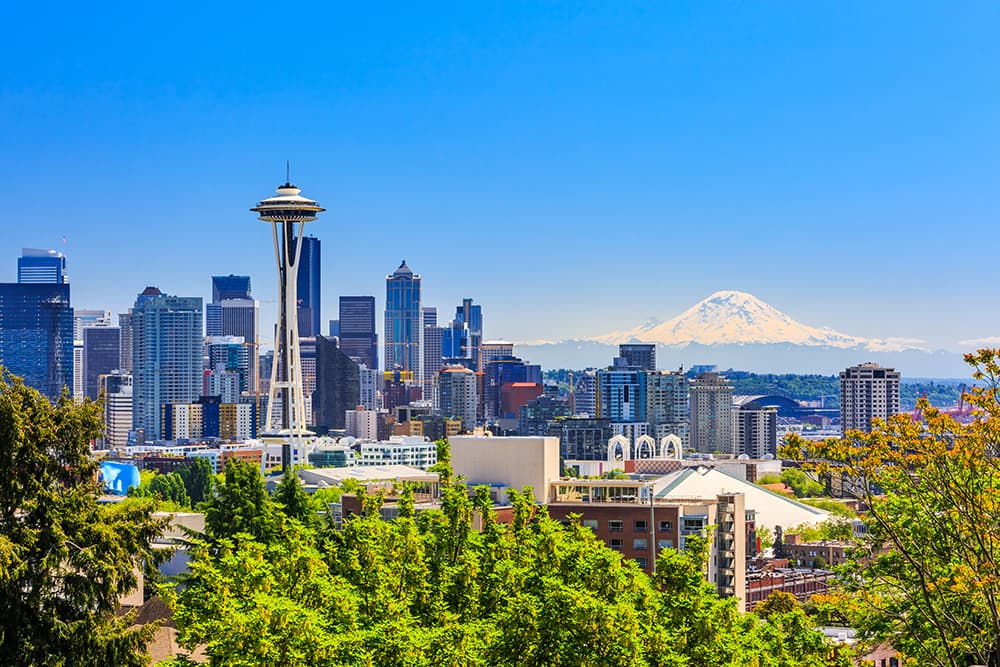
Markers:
point(413, 451)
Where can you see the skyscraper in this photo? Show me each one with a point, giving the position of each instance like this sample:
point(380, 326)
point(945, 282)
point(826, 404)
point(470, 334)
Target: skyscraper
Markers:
point(584, 398)
point(101, 355)
point(338, 385)
point(166, 356)
point(228, 355)
point(756, 428)
point(667, 405)
point(82, 319)
point(459, 395)
point(36, 335)
point(117, 388)
point(492, 350)
point(234, 312)
point(358, 339)
point(36, 266)
point(309, 287)
point(867, 392)
point(639, 355)
point(230, 287)
point(125, 324)
point(432, 351)
point(403, 325)
point(711, 414)
point(470, 318)
point(503, 376)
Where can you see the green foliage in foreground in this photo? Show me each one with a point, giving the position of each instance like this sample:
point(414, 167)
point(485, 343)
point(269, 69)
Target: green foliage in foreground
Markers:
point(269, 588)
point(65, 560)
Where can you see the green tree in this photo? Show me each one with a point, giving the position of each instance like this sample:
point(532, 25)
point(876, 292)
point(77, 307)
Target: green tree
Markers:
point(929, 575)
point(766, 537)
point(292, 499)
point(240, 505)
point(427, 589)
point(170, 487)
point(778, 602)
point(199, 480)
point(65, 559)
point(801, 484)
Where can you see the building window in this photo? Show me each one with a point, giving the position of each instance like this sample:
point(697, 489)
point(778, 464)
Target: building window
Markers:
point(616, 525)
point(590, 523)
point(640, 526)
point(640, 544)
point(691, 525)
point(616, 543)
point(664, 544)
point(666, 526)
point(642, 562)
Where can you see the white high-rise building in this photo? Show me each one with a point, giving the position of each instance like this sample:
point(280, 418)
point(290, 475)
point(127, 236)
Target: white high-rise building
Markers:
point(117, 389)
point(459, 395)
point(867, 392)
point(368, 381)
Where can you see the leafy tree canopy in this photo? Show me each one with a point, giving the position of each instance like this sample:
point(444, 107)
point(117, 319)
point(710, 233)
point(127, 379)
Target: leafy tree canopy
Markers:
point(65, 559)
point(426, 589)
point(929, 576)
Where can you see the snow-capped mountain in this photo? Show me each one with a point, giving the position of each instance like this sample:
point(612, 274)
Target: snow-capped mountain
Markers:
point(729, 317)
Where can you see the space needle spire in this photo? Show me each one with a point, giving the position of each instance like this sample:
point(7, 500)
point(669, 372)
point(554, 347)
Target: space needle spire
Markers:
point(288, 212)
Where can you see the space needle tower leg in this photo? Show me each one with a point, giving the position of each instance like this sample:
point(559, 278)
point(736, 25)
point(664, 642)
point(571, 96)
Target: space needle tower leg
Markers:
point(284, 212)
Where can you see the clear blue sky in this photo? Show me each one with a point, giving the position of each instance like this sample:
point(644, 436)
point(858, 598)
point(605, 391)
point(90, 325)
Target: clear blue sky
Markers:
point(576, 168)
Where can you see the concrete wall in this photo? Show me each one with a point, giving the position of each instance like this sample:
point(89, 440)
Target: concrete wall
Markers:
point(509, 462)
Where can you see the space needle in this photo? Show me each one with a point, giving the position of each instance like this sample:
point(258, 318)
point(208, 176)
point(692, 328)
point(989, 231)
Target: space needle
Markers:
point(288, 212)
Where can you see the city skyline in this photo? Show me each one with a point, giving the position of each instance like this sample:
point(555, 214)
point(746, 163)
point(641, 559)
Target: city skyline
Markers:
point(744, 145)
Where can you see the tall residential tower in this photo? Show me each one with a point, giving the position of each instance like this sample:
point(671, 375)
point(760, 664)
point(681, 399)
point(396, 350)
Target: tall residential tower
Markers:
point(867, 392)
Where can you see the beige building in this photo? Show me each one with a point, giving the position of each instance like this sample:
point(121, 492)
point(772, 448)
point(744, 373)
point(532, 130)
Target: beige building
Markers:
point(711, 414)
point(867, 392)
point(506, 463)
point(458, 395)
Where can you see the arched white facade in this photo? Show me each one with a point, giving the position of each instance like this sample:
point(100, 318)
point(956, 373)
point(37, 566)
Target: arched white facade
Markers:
point(619, 449)
point(671, 448)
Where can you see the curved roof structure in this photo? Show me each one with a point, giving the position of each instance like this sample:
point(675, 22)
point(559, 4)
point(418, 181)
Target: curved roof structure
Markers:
point(787, 407)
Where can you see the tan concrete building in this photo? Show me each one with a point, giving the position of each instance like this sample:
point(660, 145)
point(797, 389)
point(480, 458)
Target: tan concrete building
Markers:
point(508, 462)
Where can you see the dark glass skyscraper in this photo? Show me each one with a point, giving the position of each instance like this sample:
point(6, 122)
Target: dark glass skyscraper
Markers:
point(338, 385)
point(471, 317)
point(308, 288)
point(36, 335)
point(641, 356)
point(357, 329)
point(403, 326)
point(101, 355)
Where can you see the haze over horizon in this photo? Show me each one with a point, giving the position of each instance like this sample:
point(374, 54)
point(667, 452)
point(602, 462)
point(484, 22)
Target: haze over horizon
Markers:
point(574, 169)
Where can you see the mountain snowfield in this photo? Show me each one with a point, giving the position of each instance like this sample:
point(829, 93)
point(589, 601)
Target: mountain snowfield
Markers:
point(729, 317)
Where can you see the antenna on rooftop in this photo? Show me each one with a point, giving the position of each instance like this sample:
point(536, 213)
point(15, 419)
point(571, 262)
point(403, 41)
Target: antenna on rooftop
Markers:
point(288, 171)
